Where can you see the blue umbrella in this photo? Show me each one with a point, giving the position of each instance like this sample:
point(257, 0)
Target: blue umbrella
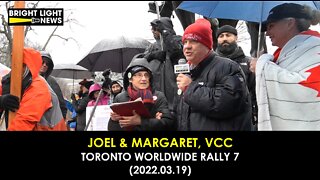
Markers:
point(254, 11)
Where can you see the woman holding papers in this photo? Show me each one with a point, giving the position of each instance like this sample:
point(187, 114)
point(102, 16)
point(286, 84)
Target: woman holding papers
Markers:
point(138, 86)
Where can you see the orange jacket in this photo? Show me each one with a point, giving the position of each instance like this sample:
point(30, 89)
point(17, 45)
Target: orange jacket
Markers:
point(38, 106)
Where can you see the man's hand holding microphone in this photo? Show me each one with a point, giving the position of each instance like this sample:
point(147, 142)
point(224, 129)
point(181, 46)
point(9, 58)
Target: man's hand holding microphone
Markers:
point(183, 78)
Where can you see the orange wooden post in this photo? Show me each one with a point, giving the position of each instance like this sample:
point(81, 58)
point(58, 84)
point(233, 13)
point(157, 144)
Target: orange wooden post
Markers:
point(17, 59)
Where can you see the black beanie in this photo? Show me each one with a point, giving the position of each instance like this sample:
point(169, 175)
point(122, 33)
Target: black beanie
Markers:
point(137, 69)
point(227, 28)
point(115, 82)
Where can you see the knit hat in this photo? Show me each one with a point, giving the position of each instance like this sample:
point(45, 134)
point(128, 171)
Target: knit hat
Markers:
point(116, 82)
point(199, 31)
point(227, 28)
point(137, 64)
point(136, 69)
point(285, 10)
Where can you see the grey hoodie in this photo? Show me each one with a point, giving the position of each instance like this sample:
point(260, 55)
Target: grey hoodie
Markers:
point(52, 82)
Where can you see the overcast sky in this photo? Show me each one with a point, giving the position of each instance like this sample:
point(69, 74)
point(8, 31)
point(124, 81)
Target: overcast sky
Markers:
point(99, 20)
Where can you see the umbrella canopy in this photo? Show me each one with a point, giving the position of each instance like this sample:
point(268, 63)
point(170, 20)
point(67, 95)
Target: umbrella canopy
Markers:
point(254, 11)
point(4, 70)
point(114, 53)
point(71, 71)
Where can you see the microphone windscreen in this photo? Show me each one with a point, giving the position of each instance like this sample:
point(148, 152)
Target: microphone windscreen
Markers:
point(182, 61)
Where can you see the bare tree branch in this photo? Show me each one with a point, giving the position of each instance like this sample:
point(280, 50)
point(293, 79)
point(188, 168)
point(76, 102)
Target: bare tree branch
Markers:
point(6, 30)
point(51, 35)
point(66, 39)
point(33, 5)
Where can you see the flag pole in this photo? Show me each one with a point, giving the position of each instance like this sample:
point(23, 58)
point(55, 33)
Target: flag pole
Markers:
point(17, 60)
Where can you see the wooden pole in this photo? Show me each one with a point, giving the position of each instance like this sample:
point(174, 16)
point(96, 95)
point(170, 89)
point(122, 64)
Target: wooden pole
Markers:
point(17, 59)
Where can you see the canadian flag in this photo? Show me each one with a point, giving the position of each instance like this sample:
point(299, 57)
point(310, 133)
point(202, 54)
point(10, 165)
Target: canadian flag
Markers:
point(288, 91)
point(313, 81)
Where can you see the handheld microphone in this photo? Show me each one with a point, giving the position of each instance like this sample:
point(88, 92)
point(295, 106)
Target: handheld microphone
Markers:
point(182, 68)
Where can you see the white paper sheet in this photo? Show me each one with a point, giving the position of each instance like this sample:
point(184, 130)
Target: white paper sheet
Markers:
point(100, 118)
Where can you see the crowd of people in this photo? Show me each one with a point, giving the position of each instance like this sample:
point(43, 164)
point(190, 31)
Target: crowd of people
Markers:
point(225, 90)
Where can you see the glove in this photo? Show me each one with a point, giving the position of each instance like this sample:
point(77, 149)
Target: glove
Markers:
point(165, 31)
point(9, 102)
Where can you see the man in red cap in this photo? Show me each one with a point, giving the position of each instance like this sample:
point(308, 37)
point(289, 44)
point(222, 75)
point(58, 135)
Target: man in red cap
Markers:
point(215, 96)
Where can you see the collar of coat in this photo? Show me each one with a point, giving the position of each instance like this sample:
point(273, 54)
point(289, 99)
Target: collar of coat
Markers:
point(202, 65)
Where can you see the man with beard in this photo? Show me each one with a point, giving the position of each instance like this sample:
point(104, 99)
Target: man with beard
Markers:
point(116, 88)
point(227, 47)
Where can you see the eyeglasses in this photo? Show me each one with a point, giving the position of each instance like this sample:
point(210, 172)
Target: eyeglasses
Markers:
point(140, 75)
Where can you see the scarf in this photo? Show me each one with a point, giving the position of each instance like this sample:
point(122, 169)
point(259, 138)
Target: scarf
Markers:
point(144, 94)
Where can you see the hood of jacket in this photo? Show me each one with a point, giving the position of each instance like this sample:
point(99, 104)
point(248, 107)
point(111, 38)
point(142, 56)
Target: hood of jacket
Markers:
point(136, 62)
point(93, 88)
point(167, 23)
point(33, 61)
point(47, 58)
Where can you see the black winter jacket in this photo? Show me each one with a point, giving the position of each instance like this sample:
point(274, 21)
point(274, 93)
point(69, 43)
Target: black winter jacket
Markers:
point(151, 124)
point(80, 107)
point(239, 57)
point(162, 62)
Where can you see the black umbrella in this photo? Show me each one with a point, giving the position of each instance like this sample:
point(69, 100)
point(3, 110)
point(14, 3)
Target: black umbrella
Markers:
point(71, 71)
point(114, 53)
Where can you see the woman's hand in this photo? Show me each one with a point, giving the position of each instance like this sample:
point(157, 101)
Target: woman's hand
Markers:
point(128, 121)
point(158, 115)
point(115, 117)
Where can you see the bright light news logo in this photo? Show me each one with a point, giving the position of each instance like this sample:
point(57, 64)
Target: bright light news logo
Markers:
point(36, 17)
